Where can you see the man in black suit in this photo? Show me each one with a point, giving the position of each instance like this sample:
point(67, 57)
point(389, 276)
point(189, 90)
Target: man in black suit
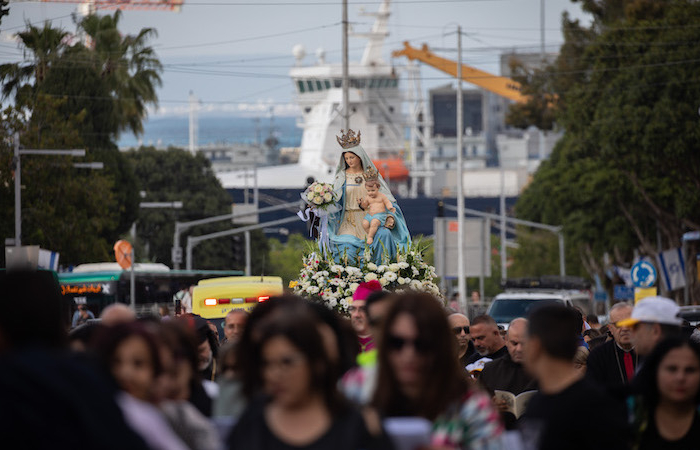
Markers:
point(612, 364)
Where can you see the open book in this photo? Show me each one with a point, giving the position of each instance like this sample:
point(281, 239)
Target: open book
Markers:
point(516, 403)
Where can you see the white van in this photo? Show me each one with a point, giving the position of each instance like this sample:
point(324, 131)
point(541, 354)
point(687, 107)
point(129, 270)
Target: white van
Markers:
point(518, 303)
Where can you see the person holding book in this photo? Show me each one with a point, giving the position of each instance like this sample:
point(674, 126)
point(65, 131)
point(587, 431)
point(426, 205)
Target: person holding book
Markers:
point(506, 379)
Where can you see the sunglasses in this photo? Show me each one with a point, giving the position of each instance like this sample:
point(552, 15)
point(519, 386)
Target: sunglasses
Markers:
point(458, 330)
point(396, 343)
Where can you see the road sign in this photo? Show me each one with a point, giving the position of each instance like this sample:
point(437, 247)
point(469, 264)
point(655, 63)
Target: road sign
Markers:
point(122, 253)
point(477, 247)
point(643, 274)
point(640, 293)
point(622, 292)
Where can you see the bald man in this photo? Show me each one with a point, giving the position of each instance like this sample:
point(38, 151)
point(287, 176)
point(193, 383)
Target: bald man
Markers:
point(117, 313)
point(465, 347)
point(507, 373)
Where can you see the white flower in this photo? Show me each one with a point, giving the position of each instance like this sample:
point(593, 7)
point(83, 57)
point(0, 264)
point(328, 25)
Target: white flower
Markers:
point(381, 268)
point(313, 290)
point(394, 267)
point(353, 271)
point(403, 280)
point(370, 276)
point(327, 197)
point(317, 200)
point(341, 283)
point(354, 286)
point(415, 272)
point(318, 188)
point(310, 196)
point(372, 266)
point(415, 284)
point(345, 302)
point(335, 268)
point(383, 281)
point(332, 302)
point(402, 264)
point(390, 276)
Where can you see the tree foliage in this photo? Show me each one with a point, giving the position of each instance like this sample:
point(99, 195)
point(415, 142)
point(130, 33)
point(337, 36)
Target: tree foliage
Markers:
point(628, 164)
point(97, 90)
point(176, 175)
point(65, 209)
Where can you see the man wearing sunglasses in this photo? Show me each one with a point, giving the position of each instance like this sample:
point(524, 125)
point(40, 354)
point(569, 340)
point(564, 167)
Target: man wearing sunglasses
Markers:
point(465, 347)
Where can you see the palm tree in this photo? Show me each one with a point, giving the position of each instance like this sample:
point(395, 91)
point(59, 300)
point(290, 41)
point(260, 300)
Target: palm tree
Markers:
point(43, 46)
point(128, 65)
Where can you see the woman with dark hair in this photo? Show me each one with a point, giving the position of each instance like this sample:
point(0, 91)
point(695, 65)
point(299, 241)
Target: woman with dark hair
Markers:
point(419, 376)
point(130, 352)
point(300, 406)
point(667, 414)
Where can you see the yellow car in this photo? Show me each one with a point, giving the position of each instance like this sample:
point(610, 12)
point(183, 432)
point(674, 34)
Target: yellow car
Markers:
point(213, 298)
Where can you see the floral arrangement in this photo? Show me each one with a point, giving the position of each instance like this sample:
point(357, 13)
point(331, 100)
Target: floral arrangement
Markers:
point(324, 281)
point(320, 196)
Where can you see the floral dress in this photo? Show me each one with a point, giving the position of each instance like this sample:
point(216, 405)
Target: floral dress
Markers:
point(471, 423)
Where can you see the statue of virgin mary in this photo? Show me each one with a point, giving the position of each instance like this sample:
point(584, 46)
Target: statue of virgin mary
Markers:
point(347, 236)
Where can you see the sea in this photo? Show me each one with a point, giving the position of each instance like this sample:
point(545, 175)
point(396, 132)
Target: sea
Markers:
point(173, 131)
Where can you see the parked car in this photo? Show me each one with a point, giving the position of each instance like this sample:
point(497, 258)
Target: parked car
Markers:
point(522, 295)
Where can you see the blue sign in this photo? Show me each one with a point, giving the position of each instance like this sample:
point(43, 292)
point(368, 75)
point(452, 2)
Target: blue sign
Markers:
point(643, 274)
point(600, 296)
point(622, 292)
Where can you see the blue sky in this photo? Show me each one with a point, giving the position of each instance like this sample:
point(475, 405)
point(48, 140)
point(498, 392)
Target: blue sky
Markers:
point(235, 55)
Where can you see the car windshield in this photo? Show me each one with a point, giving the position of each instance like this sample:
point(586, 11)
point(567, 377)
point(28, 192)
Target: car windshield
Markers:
point(504, 310)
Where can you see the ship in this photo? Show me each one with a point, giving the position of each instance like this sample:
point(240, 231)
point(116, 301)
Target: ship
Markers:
point(374, 107)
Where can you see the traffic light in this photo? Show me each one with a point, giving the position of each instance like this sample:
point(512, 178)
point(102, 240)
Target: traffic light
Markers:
point(238, 248)
point(441, 208)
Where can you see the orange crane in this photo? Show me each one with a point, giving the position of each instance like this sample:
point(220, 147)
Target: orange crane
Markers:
point(503, 86)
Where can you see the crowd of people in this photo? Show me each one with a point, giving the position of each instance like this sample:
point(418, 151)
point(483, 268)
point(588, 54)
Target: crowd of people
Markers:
point(403, 371)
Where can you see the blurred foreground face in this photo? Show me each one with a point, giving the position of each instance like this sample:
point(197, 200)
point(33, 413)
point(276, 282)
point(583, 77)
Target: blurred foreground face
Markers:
point(234, 326)
point(678, 376)
point(406, 352)
point(285, 372)
point(204, 354)
point(622, 335)
point(132, 367)
point(644, 337)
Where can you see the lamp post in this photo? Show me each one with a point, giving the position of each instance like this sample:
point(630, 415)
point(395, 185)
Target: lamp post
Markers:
point(18, 178)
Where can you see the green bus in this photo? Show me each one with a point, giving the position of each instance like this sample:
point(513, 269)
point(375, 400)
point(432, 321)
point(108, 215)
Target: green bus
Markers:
point(155, 285)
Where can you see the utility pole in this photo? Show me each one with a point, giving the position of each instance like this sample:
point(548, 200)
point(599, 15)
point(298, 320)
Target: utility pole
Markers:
point(346, 80)
point(461, 282)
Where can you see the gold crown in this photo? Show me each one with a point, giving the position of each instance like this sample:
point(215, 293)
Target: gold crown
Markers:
point(371, 174)
point(349, 140)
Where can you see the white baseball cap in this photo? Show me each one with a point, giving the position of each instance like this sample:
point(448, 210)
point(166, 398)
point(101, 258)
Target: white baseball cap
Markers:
point(654, 310)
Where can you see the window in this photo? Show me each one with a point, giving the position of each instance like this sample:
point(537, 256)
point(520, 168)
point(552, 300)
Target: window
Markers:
point(310, 85)
point(319, 86)
point(327, 83)
point(300, 86)
point(337, 82)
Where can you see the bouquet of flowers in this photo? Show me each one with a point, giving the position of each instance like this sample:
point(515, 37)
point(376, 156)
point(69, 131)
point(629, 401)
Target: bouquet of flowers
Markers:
point(332, 284)
point(321, 196)
point(322, 201)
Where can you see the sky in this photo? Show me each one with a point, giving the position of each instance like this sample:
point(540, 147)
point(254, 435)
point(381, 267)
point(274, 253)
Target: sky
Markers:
point(235, 55)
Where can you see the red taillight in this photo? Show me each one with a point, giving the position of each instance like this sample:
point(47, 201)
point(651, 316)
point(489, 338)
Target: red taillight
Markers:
point(251, 299)
point(264, 298)
point(209, 302)
point(224, 301)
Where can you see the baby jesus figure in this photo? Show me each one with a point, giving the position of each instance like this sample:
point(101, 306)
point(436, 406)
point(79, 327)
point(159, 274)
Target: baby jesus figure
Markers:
point(378, 205)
